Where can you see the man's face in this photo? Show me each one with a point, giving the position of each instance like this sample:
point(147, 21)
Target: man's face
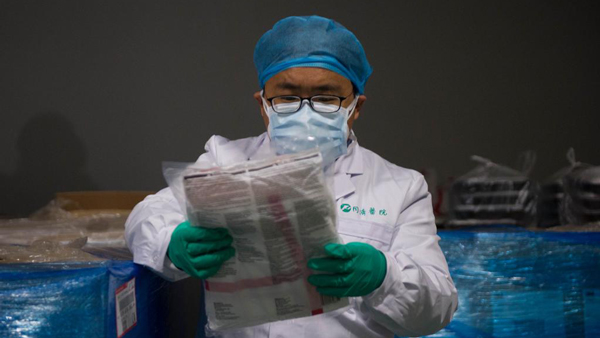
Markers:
point(306, 82)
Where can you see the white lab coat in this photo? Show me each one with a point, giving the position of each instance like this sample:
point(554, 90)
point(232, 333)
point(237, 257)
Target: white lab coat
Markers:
point(378, 203)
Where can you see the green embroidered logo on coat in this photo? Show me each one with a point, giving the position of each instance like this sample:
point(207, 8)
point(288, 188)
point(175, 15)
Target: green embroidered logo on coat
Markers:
point(346, 207)
point(362, 211)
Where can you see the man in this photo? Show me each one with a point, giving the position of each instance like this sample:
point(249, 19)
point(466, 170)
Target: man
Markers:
point(312, 72)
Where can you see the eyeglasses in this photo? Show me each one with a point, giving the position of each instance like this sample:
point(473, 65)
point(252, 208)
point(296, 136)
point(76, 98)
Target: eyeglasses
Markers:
point(324, 104)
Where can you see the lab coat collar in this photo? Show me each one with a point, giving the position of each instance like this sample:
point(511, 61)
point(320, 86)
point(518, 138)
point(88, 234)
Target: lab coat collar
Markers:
point(351, 163)
point(347, 166)
point(262, 144)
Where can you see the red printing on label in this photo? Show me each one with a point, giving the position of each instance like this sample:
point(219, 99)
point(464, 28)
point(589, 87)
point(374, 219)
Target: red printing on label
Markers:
point(121, 288)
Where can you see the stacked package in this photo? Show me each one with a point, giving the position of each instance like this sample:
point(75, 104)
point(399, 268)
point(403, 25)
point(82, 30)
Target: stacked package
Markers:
point(524, 284)
point(67, 276)
point(552, 193)
point(53, 234)
point(492, 194)
point(107, 298)
point(582, 197)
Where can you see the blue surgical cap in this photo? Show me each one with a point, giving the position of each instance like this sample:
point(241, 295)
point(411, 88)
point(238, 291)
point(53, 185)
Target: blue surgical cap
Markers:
point(311, 41)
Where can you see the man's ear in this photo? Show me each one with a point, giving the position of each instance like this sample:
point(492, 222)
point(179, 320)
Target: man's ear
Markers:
point(262, 109)
point(260, 103)
point(359, 105)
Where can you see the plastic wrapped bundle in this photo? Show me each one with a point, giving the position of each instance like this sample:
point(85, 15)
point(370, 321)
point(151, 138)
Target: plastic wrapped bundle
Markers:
point(524, 284)
point(92, 299)
point(100, 229)
point(492, 194)
point(53, 234)
point(46, 251)
point(61, 276)
point(280, 213)
point(552, 192)
point(582, 197)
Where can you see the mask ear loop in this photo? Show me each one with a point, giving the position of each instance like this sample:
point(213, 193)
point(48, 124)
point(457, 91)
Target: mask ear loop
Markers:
point(264, 102)
point(353, 107)
point(266, 109)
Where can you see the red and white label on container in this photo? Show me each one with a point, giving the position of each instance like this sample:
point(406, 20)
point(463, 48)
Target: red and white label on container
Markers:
point(126, 308)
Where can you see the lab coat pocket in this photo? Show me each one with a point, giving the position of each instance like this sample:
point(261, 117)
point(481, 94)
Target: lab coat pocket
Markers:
point(376, 234)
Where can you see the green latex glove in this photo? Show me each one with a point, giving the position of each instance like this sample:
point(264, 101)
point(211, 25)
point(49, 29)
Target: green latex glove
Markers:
point(200, 251)
point(357, 269)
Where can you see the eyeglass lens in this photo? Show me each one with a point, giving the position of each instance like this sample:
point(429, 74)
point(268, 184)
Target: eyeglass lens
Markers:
point(320, 103)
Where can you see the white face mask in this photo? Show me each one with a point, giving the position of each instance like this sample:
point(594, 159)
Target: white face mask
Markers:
point(307, 129)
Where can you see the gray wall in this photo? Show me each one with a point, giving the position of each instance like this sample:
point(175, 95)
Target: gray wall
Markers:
point(95, 94)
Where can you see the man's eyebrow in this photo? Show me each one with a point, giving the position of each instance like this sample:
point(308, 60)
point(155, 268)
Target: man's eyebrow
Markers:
point(327, 88)
point(287, 85)
point(322, 88)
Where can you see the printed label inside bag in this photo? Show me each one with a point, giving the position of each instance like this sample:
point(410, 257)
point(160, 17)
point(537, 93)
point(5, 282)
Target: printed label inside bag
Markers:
point(126, 308)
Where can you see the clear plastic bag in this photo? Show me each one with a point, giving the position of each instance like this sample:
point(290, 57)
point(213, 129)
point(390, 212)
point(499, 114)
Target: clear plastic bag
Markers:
point(551, 195)
point(280, 213)
point(45, 251)
point(53, 234)
point(581, 205)
point(494, 194)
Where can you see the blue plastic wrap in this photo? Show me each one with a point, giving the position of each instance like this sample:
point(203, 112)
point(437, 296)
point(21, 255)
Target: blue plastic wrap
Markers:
point(511, 284)
point(77, 300)
point(524, 284)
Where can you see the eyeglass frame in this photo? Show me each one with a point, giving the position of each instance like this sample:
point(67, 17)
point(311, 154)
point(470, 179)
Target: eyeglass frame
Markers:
point(309, 98)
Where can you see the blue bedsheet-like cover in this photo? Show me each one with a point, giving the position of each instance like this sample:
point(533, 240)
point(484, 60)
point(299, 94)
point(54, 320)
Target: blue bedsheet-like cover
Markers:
point(524, 284)
point(77, 300)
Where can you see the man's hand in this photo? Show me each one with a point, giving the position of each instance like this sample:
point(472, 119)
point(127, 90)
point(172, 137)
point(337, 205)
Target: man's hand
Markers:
point(200, 251)
point(357, 269)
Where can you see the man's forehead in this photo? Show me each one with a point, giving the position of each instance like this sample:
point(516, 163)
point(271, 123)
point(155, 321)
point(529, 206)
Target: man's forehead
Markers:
point(309, 79)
